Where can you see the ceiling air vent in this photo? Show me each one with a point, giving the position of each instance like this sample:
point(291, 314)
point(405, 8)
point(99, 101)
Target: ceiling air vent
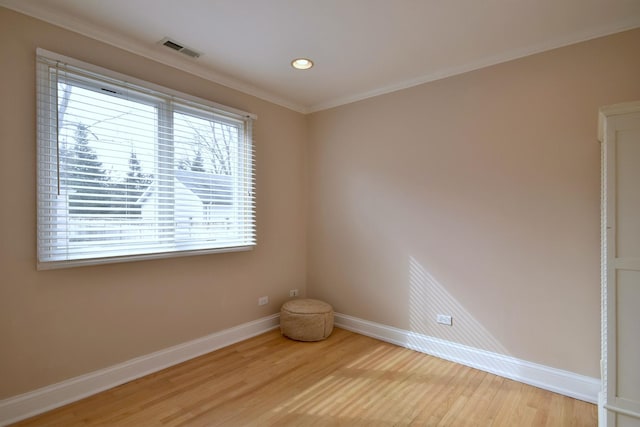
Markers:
point(171, 44)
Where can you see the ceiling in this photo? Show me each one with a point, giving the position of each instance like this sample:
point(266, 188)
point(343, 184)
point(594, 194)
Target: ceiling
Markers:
point(361, 48)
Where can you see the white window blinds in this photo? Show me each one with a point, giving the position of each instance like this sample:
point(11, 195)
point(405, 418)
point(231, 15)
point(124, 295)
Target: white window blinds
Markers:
point(129, 170)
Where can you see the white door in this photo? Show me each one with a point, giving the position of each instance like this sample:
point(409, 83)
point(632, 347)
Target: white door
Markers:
point(620, 135)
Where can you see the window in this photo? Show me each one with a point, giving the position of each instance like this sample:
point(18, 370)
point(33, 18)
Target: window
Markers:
point(128, 170)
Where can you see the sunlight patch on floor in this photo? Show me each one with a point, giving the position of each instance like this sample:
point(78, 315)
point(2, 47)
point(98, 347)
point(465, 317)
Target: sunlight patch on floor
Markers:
point(368, 388)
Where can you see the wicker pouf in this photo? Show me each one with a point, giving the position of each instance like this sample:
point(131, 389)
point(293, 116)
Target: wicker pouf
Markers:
point(306, 319)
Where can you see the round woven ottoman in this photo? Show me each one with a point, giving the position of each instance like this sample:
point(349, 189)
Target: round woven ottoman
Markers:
point(306, 319)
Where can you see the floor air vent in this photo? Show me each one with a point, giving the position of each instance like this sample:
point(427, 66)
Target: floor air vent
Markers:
point(179, 48)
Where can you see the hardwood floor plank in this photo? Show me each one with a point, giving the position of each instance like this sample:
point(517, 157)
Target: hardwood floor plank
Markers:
point(348, 379)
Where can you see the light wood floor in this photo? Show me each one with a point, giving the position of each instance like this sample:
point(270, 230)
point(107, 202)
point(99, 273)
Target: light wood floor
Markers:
point(346, 380)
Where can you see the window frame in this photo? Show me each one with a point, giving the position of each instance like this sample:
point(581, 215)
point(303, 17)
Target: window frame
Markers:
point(168, 102)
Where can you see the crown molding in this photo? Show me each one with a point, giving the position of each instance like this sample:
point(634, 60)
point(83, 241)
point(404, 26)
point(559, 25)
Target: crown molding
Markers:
point(629, 24)
point(154, 53)
point(39, 11)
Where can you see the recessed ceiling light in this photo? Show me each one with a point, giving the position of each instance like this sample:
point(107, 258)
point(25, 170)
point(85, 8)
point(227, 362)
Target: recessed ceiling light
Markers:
point(302, 63)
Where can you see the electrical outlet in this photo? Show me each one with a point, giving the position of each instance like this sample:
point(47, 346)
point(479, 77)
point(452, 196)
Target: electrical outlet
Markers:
point(263, 300)
point(444, 319)
point(293, 293)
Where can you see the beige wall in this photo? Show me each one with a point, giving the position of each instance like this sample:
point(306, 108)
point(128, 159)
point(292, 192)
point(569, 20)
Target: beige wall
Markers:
point(58, 324)
point(475, 196)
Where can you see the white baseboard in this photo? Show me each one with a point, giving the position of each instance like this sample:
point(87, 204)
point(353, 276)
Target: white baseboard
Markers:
point(44, 399)
point(552, 379)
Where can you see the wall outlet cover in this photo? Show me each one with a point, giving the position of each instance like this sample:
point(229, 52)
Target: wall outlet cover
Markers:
point(444, 319)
